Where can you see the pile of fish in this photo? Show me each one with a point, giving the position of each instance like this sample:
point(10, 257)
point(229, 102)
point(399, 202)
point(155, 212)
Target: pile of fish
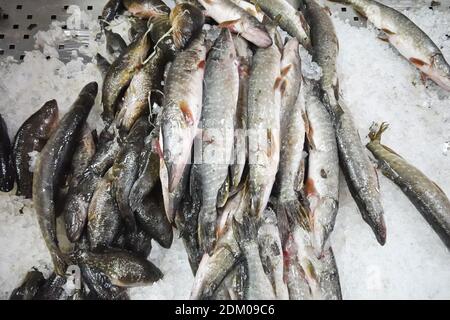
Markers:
point(242, 158)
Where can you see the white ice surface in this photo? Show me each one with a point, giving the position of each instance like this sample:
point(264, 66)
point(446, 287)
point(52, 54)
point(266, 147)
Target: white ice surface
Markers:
point(376, 83)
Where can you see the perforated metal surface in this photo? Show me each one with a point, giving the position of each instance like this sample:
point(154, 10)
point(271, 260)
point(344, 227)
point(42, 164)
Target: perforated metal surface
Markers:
point(22, 19)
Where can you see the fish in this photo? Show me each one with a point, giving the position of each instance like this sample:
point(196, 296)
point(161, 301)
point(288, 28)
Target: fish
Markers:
point(263, 123)
point(111, 9)
point(77, 201)
point(160, 29)
point(100, 286)
point(244, 58)
point(104, 220)
point(271, 253)
point(29, 287)
point(429, 199)
point(325, 51)
point(138, 94)
point(146, 8)
point(102, 63)
point(139, 242)
point(359, 173)
point(32, 136)
point(82, 156)
point(125, 170)
point(408, 38)
point(258, 285)
point(122, 268)
point(114, 42)
point(120, 74)
point(288, 18)
point(238, 20)
point(151, 216)
point(322, 177)
point(296, 4)
point(138, 27)
point(52, 289)
point(187, 22)
point(221, 89)
point(290, 176)
point(7, 172)
point(251, 9)
point(182, 108)
point(53, 161)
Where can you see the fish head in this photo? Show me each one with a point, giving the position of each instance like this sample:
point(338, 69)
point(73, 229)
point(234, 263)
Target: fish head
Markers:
point(374, 217)
point(187, 21)
point(49, 115)
point(440, 71)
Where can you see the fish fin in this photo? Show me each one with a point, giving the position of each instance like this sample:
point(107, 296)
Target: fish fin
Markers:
point(310, 188)
point(309, 131)
point(423, 77)
point(376, 132)
point(201, 64)
point(387, 31)
point(383, 37)
point(245, 231)
point(229, 24)
point(277, 83)
point(283, 86)
point(272, 144)
point(417, 62)
point(186, 110)
point(327, 10)
point(391, 151)
point(285, 70)
point(360, 12)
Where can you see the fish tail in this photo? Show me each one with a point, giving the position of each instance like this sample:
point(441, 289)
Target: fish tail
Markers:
point(289, 213)
point(377, 130)
point(245, 231)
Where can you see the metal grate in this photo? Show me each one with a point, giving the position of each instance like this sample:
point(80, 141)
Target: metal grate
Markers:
point(20, 20)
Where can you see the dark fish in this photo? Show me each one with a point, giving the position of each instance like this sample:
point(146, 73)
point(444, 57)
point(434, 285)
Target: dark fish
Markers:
point(6, 159)
point(29, 287)
point(122, 268)
point(111, 9)
point(120, 74)
point(100, 286)
point(102, 63)
point(32, 136)
point(138, 242)
point(54, 160)
point(52, 289)
point(187, 22)
point(114, 42)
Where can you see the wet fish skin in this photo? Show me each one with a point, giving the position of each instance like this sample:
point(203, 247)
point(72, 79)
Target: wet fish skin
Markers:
point(325, 50)
point(29, 287)
point(290, 175)
point(7, 174)
point(160, 27)
point(82, 156)
point(138, 242)
point(114, 42)
point(289, 19)
point(258, 286)
point(230, 15)
point(53, 161)
point(137, 96)
point(102, 63)
point(146, 8)
point(263, 123)
point(244, 57)
point(52, 289)
point(125, 169)
point(120, 74)
point(221, 89)
point(322, 182)
point(187, 22)
point(138, 27)
point(123, 269)
point(182, 108)
point(111, 9)
point(408, 38)
point(328, 275)
point(151, 216)
point(427, 197)
point(359, 173)
point(100, 286)
point(271, 253)
point(32, 136)
point(104, 218)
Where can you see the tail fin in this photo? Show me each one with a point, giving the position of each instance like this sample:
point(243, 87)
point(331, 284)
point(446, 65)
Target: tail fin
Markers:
point(246, 231)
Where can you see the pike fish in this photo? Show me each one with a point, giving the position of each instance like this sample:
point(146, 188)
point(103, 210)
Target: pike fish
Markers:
point(427, 196)
point(182, 108)
point(230, 15)
point(322, 181)
point(221, 89)
point(7, 174)
point(289, 19)
point(263, 123)
point(408, 38)
point(32, 136)
point(29, 287)
point(100, 286)
point(54, 160)
point(244, 58)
